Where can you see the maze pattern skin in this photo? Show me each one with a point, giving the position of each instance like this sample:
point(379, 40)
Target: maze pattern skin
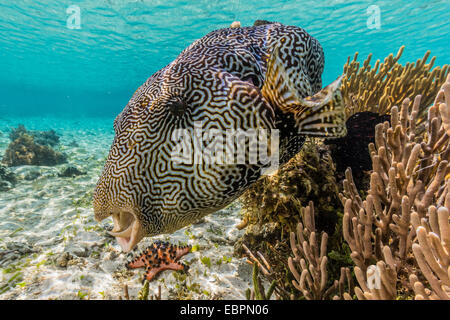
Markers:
point(216, 80)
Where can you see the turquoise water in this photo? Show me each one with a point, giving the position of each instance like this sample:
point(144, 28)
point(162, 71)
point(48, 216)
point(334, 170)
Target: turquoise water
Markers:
point(74, 76)
point(48, 69)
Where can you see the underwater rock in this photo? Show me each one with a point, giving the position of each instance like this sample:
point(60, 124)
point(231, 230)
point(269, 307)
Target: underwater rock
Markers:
point(110, 266)
point(20, 247)
point(310, 175)
point(14, 251)
point(25, 151)
point(71, 172)
point(5, 185)
point(66, 259)
point(8, 257)
point(32, 175)
point(62, 260)
point(77, 250)
point(45, 138)
point(7, 178)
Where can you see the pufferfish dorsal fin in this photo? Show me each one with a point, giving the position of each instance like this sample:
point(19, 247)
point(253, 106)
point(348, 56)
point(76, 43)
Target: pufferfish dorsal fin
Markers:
point(320, 115)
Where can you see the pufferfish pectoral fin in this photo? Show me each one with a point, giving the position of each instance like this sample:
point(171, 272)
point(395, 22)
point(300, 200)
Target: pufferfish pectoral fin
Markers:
point(320, 115)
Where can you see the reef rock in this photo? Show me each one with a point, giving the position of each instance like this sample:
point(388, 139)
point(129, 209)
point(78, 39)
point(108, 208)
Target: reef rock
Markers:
point(71, 172)
point(31, 148)
point(7, 178)
point(45, 138)
point(63, 259)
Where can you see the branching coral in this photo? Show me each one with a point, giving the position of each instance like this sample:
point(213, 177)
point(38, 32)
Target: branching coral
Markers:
point(408, 177)
point(369, 93)
point(272, 205)
point(377, 89)
point(432, 249)
point(432, 253)
point(397, 225)
point(311, 259)
point(308, 267)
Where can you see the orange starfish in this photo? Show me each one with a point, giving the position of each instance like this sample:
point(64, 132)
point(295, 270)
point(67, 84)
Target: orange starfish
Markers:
point(158, 257)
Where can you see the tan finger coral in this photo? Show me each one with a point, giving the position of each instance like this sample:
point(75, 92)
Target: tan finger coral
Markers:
point(432, 253)
point(396, 228)
point(309, 264)
point(369, 93)
point(377, 89)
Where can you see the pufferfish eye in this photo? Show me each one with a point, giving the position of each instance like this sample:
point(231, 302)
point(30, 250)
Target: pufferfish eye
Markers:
point(177, 108)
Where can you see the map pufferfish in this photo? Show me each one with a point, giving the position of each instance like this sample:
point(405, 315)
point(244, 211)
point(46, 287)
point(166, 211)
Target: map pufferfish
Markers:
point(262, 77)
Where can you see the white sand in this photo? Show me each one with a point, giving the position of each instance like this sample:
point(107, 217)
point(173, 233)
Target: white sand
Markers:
point(43, 218)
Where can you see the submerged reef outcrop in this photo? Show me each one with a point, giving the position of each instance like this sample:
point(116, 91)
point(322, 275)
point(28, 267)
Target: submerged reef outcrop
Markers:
point(393, 239)
point(32, 148)
point(271, 207)
point(270, 203)
point(45, 138)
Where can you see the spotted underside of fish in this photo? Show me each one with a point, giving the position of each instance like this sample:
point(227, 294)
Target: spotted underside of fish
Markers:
point(265, 78)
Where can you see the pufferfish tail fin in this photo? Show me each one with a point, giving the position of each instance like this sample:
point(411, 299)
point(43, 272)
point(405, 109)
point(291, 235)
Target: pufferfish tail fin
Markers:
point(320, 115)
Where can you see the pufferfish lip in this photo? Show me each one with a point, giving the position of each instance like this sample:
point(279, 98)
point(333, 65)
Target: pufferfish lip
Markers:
point(127, 230)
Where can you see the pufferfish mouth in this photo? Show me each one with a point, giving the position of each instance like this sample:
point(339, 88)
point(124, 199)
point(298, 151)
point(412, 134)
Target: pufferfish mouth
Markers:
point(127, 230)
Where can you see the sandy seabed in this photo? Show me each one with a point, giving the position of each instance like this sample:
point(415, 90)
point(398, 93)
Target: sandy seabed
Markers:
point(52, 248)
